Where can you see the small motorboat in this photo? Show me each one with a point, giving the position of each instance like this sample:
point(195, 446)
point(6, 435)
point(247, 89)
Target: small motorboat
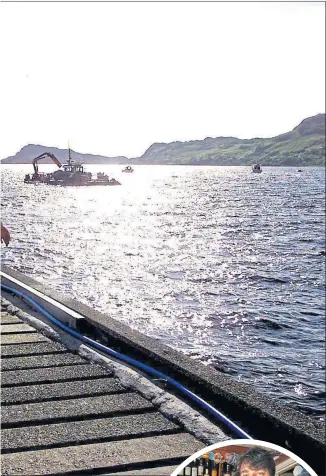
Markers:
point(300, 170)
point(256, 169)
point(128, 170)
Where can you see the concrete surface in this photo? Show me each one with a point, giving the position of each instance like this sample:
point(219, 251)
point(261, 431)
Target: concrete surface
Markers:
point(22, 338)
point(62, 414)
point(53, 391)
point(50, 374)
point(75, 459)
point(77, 432)
point(15, 328)
point(73, 409)
point(41, 348)
point(34, 361)
point(263, 417)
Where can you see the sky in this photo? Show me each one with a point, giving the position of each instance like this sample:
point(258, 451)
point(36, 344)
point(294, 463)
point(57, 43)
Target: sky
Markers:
point(113, 78)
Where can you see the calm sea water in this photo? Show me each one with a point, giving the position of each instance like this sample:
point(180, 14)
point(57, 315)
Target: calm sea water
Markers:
point(219, 263)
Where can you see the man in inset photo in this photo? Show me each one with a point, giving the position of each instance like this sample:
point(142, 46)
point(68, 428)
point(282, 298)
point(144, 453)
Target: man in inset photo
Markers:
point(256, 462)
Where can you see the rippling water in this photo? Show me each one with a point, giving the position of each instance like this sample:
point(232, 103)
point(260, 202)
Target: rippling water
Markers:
point(219, 263)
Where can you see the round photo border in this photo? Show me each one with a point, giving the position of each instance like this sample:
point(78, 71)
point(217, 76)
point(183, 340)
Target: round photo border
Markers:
point(260, 443)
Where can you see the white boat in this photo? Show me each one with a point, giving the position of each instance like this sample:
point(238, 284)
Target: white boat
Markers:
point(128, 170)
point(256, 169)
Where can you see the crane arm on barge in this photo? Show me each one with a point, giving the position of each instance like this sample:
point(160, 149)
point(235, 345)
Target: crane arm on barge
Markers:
point(42, 156)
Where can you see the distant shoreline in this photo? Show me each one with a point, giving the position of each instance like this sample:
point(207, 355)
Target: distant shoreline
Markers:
point(304, 146)
point(177, 165)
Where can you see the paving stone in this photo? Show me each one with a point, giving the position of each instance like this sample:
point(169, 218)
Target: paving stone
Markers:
point(48, 375)
point(35, 348)
point(16, 328)
point(12, 339)
point(34, 361)
point(100, 455)
point(84, 431)
point(77, 388)
point(7, 319)
point(76, 408)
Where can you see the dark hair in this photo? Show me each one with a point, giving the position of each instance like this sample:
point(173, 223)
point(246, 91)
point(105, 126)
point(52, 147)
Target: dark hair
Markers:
point(258, 458)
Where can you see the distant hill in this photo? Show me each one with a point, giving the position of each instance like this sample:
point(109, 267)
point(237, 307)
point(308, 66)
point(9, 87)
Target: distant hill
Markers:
point(305, 145)
point(29, 152)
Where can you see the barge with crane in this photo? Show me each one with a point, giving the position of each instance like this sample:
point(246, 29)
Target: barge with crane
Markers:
point(71, 174)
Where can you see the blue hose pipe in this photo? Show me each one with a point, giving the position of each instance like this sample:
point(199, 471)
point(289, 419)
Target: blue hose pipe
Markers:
point(135, 363)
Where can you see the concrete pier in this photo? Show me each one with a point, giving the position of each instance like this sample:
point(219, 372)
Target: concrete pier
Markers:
point(259, 415)
point(63, 415)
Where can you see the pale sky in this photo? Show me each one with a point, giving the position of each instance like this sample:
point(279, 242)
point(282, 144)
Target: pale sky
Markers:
point(115, 77)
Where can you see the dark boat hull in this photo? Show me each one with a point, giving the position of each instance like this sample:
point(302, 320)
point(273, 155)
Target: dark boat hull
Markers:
point(62, 183)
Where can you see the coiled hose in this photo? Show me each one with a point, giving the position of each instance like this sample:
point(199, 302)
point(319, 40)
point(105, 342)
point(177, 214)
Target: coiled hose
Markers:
point(135, 363)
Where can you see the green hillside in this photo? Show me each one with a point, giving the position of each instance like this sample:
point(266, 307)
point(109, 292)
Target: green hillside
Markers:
point(305, 145)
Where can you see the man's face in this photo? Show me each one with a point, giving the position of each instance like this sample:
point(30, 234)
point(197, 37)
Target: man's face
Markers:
point(247, 470)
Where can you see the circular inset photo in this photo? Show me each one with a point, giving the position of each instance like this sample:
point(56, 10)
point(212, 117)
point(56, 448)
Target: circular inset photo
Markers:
point(244, 458)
